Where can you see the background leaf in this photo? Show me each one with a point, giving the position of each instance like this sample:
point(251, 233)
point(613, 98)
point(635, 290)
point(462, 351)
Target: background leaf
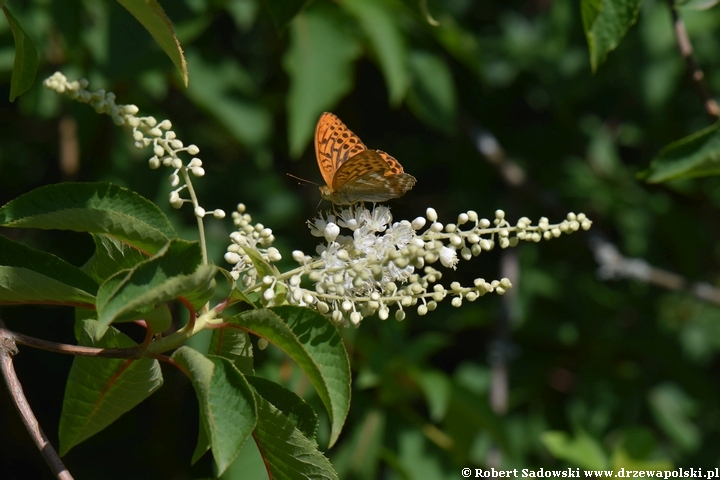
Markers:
point(606, 22)
point(380, 24)
point(320, 65)
point(151, 15)
point(26, 58)
point(697, 155)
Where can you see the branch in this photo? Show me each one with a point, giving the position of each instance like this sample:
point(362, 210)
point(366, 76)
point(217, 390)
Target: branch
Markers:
point(8, 349)
point(696, 73)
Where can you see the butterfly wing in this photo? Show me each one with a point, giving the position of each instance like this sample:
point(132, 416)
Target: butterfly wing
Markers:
point(335, 143)
point(370, 176)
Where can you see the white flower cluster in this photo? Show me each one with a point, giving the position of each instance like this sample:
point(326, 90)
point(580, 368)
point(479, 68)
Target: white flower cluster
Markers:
point(379, 265)
point(146, 131)
point(256, 238)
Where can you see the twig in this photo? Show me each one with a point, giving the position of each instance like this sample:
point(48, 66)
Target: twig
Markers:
point(8, 349)
point(612, 263)
point(696, 73)
point(131, 352)
point(615, 265)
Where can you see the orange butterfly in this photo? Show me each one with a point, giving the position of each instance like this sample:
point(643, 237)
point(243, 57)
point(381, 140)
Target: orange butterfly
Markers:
point(351, 171)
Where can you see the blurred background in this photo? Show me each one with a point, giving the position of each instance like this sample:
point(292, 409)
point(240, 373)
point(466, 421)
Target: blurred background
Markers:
point(489, 104)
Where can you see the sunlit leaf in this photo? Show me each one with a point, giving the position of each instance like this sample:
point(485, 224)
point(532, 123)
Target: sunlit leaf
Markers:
point(173, 272)
point(101, 208)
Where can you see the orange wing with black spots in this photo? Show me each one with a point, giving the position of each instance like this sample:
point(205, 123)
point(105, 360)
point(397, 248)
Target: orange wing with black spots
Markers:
point(353, 173)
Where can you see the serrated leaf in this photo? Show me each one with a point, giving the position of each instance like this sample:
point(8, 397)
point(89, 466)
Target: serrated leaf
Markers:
point(100, 390)
point(432, 93)
point(26, 58)
point(233, 344)
point(583, 450)
point(302, 416)
point(606, 22)
point(100, 208)
point(228, 413)
point(319, 63)
point(174, 272)
point(697, 155)
point(380, 24)
point(283, 12)
point(151, 16)
point(32, 276)
point(314, 343)
point(111, 256)
point(287, 453)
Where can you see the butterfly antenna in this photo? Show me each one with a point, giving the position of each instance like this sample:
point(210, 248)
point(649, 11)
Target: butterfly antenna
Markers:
point(302, 180)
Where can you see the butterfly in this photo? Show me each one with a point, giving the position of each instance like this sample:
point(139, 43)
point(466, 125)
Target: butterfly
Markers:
point(353, 173)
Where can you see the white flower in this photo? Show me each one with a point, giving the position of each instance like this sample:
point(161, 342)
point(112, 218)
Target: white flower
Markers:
point(448, 257)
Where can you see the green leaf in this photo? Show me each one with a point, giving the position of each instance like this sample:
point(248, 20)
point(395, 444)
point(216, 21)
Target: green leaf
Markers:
point(151, 15)
point(111, 256)
point(101, 208)
point(228, 412)
point(233, 344)
point(432, 93)
point(229, 94)
point(583, 450)
point(236, 295)
point(31, 276)
point(302, 416)
point(606, 22)
point(314, 343)
point(697, 155)
point(26, 58)
point(380, 23)
point(100, 390)
point(265, 269)
point(320, 65)
point(174, 272)
point(283, 12)
point(360, 454)
point(287, 453)
point(437, 388)
point(672, 408)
